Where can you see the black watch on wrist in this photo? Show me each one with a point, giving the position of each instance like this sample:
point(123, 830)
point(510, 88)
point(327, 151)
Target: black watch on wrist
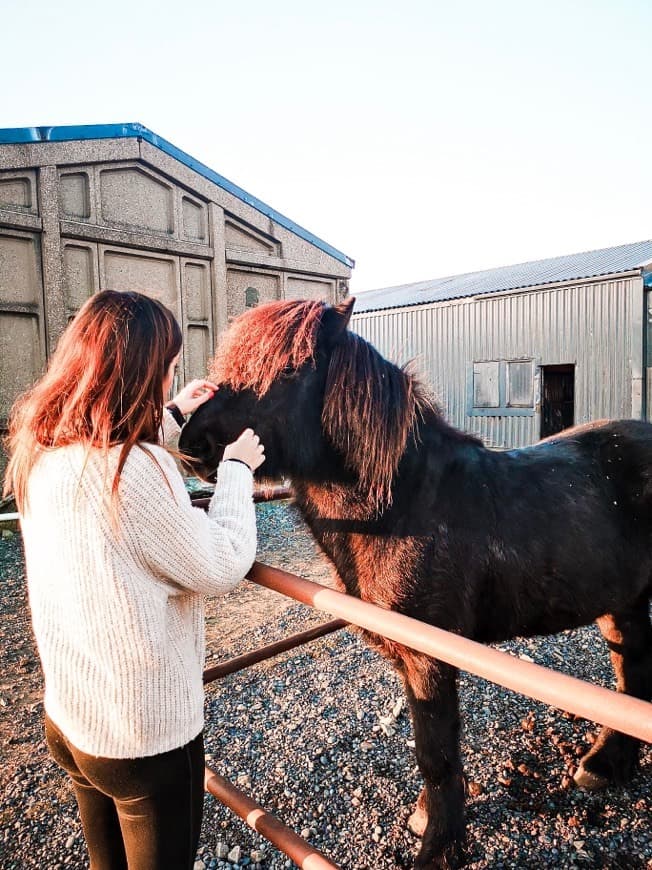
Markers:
point(176, 413)
point(241, 461)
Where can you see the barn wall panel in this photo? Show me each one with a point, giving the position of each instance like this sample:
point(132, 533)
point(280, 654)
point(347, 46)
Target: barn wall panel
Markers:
point(22, 356)
point(18, 192)
point(267, 284)
point(133, 198)
point(157, 276)
point(80, 274)
point(75, 195)
point(303, 288)
point(197, 319)
point(22, 332)
point(20, 281)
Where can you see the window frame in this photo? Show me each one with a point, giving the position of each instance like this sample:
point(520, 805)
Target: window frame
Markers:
point(503, 409)
point(247, 293)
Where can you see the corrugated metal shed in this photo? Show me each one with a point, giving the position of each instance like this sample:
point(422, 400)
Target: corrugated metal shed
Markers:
point(596, 326)
point(570, 267)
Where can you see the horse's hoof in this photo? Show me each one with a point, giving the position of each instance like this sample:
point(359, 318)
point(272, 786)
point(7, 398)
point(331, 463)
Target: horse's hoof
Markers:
point(418, 821)
point(589, 781)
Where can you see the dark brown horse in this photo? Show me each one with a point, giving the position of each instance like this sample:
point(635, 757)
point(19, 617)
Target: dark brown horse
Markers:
point(421, 518)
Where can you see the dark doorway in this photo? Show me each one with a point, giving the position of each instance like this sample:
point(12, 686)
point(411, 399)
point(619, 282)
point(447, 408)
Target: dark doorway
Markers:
point(557, 399)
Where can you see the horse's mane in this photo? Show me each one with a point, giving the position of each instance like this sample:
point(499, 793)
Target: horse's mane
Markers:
point(371, 406)
point(261, 344)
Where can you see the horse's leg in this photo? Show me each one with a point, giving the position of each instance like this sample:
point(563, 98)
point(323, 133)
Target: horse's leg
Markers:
point(432, 694)
point(614, 756)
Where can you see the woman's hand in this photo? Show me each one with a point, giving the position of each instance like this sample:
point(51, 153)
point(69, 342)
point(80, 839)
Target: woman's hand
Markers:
point(193, 395)
point(247, 448)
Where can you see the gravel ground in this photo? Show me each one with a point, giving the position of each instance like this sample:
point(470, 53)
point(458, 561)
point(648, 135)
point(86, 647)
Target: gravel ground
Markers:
point(319, 737)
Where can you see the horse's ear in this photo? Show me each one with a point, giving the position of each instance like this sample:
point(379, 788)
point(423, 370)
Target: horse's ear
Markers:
point(336, 318)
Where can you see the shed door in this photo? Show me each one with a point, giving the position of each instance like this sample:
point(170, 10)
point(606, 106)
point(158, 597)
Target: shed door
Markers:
point(558, 399)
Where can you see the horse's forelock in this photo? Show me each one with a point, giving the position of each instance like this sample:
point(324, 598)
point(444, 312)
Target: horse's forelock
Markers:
point(370, 409)
point(263, 343)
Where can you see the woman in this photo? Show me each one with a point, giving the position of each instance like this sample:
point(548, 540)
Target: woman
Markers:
point(118, 564)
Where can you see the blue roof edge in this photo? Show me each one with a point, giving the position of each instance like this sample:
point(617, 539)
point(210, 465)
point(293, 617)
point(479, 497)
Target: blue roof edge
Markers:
point(23, 135)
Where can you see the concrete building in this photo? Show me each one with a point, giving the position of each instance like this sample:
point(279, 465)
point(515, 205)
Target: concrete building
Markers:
point(520, 352)
point(117, 207)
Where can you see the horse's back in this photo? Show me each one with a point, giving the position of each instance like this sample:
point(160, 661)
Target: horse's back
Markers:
point(597, 431)
point(621, 449)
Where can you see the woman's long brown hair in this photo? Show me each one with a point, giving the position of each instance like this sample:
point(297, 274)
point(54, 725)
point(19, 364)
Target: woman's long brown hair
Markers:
point(103, 385)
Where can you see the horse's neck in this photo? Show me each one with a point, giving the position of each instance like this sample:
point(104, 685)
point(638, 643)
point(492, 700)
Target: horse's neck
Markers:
point(427, 454)
point(321, 503)
point(342, 525)
point(346, 524)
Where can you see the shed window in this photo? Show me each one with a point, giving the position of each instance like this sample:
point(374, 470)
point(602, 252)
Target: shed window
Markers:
point(252, 297)
point(486, 392)
point(520, 384)
point(501, 388)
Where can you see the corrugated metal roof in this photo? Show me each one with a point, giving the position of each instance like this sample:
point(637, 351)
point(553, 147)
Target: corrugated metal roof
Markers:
point(24, 135)
point(589, 264)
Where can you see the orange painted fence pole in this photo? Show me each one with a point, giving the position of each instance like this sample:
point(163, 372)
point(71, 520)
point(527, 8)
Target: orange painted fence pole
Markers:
point(261, 493)
point(284, 838)
point(622, 712)
point(239, 663)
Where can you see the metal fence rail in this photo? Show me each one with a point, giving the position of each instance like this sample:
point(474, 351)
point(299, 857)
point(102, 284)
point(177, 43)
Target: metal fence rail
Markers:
point(622, 712)
point(261, 494)
point(615, 709)
point(239, 663)
point(284, 838)
point(273, 492)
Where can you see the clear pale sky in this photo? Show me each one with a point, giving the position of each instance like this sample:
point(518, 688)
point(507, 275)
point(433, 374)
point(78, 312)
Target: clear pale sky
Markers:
point(421, 138)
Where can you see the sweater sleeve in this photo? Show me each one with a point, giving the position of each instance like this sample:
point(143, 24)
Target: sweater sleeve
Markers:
point(206, 553)
point(170, 428)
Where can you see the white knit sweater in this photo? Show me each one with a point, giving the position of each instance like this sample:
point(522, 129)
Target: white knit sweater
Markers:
point(118, 610)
